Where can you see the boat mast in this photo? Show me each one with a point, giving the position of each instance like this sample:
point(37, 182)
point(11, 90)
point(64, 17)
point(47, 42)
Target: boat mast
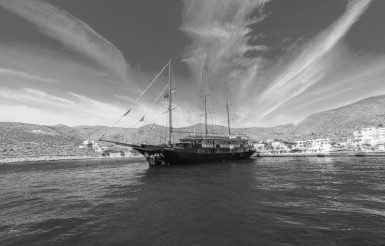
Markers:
point(227, 108)
point(204, 80)
point(169, 104)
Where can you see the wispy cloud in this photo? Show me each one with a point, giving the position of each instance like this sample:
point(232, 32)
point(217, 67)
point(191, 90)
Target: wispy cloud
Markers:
point(70, 31)
point(39, 107)
point(312, 63)
point(365, 79)
point(219, 30)
point(4, 72)
point(221, 34)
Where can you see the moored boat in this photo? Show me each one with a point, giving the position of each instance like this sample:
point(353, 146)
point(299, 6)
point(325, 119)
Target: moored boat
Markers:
point(195, 149)
point(201, 148)
point(360, 154)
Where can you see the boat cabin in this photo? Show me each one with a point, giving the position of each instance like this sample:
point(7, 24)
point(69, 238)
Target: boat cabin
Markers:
point(215, 144)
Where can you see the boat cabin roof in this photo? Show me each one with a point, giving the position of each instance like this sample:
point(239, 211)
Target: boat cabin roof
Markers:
point(212, 137)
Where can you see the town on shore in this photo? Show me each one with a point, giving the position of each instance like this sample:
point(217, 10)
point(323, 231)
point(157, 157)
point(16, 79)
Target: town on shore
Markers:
point(367, 140)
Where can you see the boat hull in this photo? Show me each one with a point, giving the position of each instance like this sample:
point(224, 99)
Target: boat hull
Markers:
point(171, 156)
point(175, 157)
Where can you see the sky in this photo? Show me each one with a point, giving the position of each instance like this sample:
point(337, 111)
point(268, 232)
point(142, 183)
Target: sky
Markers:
point(86, 62)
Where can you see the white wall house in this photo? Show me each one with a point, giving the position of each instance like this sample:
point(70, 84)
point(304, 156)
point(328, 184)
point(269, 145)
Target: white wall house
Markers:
point(301, 145)
point(260, 147)
point(280, 147)
point(370, 136)
point(88, 144)
point(316, 145)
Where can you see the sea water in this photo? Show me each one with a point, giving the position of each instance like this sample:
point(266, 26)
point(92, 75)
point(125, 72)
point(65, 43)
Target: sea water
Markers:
point(265, 201)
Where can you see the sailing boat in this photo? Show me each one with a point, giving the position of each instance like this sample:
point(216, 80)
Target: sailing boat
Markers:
point(202, 148)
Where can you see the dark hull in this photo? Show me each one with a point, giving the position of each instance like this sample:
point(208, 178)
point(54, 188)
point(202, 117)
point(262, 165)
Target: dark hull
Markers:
point(157, 155)
point(360, 154)
point(172, 156)
point(175, 157)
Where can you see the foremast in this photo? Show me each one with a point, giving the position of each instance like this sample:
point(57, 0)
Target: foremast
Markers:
point(169, 103)
point(228, 108)
point(205, 92)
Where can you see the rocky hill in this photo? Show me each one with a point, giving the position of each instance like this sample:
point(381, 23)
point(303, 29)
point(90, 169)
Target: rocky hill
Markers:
point(336, 124)
point(19, 140)
point(339, 123)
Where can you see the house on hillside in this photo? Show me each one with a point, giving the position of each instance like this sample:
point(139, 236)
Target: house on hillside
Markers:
point(260, 147)
point(88, 144)
point(367, 139)
point(300, 145)
point(280, 147)
point(369, 136)
point(314, 145)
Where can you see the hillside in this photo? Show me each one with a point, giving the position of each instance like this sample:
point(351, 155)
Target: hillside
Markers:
point(21, 140)
point(28, 140)
point(263, 133)
point(336, 124)
point(339, 123)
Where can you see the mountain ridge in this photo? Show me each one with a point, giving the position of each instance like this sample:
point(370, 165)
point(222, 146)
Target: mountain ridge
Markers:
point(336, 124)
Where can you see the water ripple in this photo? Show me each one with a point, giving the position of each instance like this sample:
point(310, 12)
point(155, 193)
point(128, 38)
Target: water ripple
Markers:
point(269, 201)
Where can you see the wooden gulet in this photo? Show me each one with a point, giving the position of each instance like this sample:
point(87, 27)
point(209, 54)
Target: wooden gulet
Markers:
point(204, 148)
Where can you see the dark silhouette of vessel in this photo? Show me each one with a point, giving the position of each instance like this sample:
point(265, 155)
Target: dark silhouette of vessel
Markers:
point(203, 148)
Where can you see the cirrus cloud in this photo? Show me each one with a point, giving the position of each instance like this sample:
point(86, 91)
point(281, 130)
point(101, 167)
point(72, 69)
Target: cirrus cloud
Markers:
point(71, 32)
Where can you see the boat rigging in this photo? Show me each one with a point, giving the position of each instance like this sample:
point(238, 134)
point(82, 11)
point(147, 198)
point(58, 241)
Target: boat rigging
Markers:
point(194, 148)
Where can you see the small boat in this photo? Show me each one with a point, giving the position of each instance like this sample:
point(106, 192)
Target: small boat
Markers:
point(320, 155)
point(360, 154)
point(201, 148)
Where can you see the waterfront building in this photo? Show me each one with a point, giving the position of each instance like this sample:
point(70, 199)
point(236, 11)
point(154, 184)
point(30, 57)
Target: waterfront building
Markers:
point(260, 147)
point(90, 144)
point(301, 145)
point(314, 145)
point(353, 143)
point(279, 147)
point(116, 154)
point(319, 145)
point(369, 136)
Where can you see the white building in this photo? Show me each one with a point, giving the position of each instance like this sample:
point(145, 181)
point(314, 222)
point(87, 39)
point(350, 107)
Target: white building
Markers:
point(280, 147)
point(370, 136)
point(88, 144)
point(260, 147)
point(316, 145)
point(354, 142)
point(322, 145)
point(115, 154)
point(301, 145)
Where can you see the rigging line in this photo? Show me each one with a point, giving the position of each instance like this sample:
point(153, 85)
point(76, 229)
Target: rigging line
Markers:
point(156, 100)
point(138, 98)
point(101, 129)
point(175, 102)
point(152, 129)
point(213, 102)
point(153, 103)
point(143, 92)
point(165, 122)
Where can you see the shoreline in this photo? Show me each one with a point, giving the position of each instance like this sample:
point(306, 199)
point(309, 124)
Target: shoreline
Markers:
point(49, 159)
point(325, 154)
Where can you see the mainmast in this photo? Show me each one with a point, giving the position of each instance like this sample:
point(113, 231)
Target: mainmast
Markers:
point(228, 108)
point(204, 82)
point(169, 104)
